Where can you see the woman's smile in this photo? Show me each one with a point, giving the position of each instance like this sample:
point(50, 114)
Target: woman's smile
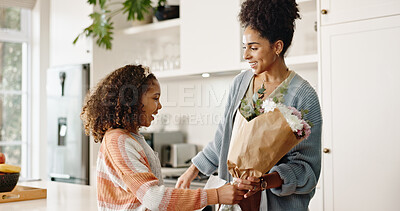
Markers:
point(253, 65)
point(259, 53)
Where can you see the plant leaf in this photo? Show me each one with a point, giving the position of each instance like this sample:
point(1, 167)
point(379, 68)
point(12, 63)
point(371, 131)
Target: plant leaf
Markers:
point(261, 90)
point(76, 39)
point(100, 29)
point(102, 2)
point(276, 100)
point(161, 3)
point(136, 8)
point(92, 2)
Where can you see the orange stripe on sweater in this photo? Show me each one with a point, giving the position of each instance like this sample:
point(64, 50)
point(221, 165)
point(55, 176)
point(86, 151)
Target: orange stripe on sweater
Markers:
point(107, 192)
point(115, 144)
point(107, 162)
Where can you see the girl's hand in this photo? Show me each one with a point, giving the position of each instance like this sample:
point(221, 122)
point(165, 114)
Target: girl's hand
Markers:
point(186, 178)
point(229, 194)
point(250, 184)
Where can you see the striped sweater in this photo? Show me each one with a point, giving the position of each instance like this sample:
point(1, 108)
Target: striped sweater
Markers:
point(125, 180)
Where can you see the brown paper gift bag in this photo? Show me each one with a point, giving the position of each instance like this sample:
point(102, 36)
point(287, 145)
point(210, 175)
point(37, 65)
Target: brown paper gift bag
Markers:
point(256, 146)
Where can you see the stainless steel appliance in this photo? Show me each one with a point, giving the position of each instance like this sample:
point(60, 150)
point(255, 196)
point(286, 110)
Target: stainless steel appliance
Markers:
point(68, 146)
point(161, 143)
point(181, 154)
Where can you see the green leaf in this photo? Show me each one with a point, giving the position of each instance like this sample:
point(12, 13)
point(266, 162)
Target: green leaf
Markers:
point(100, 29)
point(76, 39)
point(102, 26)
point(102, 2)
point(92, 2)
point(136, 8)
point(303, 112)
point(161, 3)
point(261, 90)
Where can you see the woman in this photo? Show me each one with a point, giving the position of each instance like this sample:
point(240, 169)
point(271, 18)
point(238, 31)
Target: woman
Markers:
point(128, 170)
point(290, 184)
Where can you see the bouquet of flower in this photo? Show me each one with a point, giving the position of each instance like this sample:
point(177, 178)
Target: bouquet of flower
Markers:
point(264, 131)
point(295, 118)
point(300, 127)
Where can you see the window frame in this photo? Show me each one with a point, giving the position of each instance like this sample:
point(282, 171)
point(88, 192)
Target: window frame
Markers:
point(22, 36)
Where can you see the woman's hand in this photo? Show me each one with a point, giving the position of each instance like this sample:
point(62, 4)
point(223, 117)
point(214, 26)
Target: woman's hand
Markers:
point(230, 194)
point(186, 178)
point(251, 185)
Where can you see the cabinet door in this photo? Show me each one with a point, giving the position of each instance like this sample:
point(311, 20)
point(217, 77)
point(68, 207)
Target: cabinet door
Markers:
point(210, 35)
point(360, 89)
point(339, 11)
point(67, 20)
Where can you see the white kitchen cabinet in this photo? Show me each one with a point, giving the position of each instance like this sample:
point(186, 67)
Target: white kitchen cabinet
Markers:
point(67, 20)
point(360, 84)
point(340, 11)
point(209, 39)
point(210, 35)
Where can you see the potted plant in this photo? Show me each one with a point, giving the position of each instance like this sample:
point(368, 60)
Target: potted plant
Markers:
point(102, 26)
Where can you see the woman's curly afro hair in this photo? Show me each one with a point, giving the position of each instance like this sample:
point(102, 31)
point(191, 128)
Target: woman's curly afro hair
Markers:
point(273, 19)
point(116, 101)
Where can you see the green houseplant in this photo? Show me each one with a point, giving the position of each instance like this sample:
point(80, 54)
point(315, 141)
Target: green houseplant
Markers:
point(101, 28)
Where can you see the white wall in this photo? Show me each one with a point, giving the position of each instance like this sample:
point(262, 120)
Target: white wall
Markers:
point(55, 24)
point(40, 63)
point(194, 105)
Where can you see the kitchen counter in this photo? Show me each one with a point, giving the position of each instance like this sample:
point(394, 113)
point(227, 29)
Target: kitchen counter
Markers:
point(60, 197)
point(65, 196)
point(171, 176)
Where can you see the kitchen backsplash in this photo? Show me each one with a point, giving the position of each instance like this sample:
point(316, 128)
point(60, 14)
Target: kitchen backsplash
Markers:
point(193, 105)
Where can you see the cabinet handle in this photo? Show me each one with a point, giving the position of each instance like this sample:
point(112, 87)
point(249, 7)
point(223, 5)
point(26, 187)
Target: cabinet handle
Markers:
point(326, 150)
point(324, 11)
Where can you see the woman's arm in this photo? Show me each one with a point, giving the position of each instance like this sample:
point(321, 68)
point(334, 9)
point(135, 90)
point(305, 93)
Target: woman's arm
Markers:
point(300, 168)
point(298, 171)
point(253, 184)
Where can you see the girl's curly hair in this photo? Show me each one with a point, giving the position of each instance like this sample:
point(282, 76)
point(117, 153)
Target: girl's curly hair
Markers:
point(116, 101)
point(273, 19)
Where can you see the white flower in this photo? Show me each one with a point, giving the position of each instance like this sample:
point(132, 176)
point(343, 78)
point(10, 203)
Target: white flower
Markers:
point(294, 123)
point(268, 105)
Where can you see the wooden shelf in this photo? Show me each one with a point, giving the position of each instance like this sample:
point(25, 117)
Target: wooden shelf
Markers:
point(167, 24)
point(175, 74)
point(302, 1)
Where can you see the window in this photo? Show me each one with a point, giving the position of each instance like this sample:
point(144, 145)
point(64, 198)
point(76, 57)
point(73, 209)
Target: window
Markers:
point(14, 83)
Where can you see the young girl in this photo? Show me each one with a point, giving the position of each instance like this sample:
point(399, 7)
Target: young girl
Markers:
point(128, 171)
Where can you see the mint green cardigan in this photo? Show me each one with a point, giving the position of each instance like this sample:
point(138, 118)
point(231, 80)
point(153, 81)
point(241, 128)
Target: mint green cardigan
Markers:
point(299, 169)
